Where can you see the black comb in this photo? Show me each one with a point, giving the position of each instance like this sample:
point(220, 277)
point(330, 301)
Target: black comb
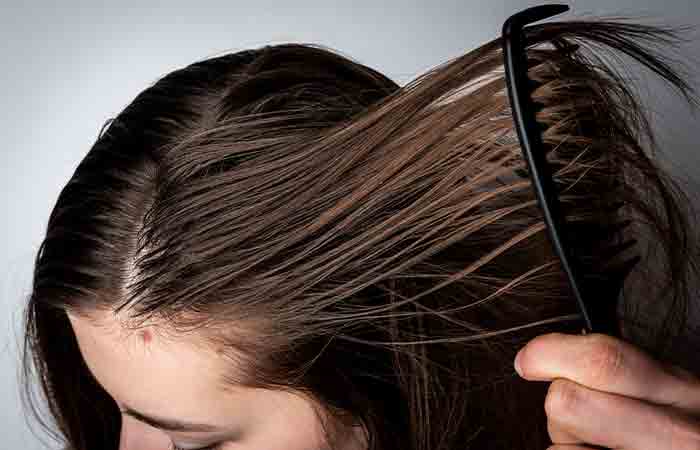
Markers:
point(593, 294)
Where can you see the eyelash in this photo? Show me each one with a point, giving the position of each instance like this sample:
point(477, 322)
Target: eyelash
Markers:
point(211, 447)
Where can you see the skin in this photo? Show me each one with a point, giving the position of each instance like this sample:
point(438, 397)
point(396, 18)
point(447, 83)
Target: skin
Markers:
point(609, 393)
point(176, 379)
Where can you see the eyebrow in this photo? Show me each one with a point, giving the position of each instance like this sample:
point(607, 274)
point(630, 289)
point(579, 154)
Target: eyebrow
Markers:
point(170, 424)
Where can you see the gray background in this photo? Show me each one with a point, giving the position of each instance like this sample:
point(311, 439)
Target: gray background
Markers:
point(68, 68)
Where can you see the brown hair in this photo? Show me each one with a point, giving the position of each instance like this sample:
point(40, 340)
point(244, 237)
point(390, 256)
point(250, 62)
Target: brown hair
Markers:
point(375, 248)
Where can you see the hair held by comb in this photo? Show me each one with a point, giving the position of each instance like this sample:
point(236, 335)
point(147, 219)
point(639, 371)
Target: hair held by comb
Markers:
point(375, 247)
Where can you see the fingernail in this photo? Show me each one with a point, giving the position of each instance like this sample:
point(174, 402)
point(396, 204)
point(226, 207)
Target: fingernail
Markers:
point(516, 364)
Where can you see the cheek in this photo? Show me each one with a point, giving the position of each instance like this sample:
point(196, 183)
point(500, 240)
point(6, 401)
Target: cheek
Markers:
point(138, 436)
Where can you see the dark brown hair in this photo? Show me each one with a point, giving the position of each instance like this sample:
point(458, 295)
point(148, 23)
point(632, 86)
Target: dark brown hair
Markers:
point(372, 247)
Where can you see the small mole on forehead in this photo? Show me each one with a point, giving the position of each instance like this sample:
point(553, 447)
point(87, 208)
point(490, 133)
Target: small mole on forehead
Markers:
point(145, 336)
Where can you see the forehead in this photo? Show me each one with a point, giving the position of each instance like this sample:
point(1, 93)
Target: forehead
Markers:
point(147, 369)
point(113, 329)
point(147, 344)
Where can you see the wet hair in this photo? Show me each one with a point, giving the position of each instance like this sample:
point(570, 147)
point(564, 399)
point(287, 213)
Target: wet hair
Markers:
point(372, 247)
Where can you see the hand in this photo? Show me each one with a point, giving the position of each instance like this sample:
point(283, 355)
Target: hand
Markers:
point(607, 392)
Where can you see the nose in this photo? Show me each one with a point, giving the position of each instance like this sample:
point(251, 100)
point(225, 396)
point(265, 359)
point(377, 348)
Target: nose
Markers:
point(137, 435)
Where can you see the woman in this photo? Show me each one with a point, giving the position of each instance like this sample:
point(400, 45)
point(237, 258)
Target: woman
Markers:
point(281, 248)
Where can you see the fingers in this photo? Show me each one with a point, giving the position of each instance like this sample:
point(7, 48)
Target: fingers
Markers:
point(579, 415)
point(608, 364)
point(558, 433)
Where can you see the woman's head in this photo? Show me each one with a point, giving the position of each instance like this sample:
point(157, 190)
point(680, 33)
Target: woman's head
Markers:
point(285, 244)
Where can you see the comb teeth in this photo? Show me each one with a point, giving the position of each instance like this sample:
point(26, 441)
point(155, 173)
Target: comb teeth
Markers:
point(619, 226)
point(616, 277)
point(598, 237)
point(622, 270)
point(606, 253)
point(616, 183)
point(604, 233)
point(615, 206)
point(609, 252)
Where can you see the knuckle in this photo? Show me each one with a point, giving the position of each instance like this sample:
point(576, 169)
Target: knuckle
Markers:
point(604, 358)
point(563, 399)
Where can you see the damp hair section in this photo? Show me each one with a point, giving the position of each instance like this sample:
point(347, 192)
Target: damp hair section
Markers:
point(376, 248)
